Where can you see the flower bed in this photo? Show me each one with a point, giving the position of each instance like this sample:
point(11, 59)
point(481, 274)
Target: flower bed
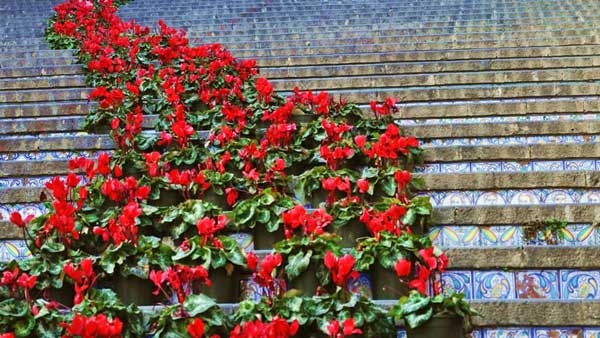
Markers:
point(166, 219)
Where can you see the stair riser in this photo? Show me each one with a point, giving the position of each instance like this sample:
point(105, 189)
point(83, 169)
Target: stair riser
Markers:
point(439, 79)
point(44, 82)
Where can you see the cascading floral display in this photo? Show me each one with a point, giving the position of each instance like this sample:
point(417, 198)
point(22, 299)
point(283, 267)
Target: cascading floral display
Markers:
point(203, 148)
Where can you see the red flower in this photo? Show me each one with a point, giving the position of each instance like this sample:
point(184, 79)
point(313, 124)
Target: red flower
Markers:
point(152, 163)
point(26, 282)
point(196, 328)
point(341, 268)
point(252, 261)
point(232, 195)
point(207, 227)
point(264, 89)
point(347, 328)
point(97, 326)
point(403, 267)
point(276, 328)
point(363, 185)
point(17, 220)
point(7, 335)
point(360, 140)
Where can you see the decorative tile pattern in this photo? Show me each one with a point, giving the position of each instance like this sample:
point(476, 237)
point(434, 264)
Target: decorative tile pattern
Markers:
point(537, 285)
point(493, 285)
point(49, 155)
point(502, 166)
point(514, 197)
point(514, 140)
point(13, 249)
point(558, 333)
point(501, 119)
point(458, 281)
point(579, 284)
point(468, 236)
point(507, 333)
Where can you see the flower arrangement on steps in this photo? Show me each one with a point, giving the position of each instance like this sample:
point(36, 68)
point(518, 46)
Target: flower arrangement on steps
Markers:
point(166, 218)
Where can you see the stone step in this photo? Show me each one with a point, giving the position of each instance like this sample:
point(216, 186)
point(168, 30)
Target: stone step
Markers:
point(434, 182)
point(454, 128)
point(417, 67)
point(30, 147)
point(7, 62)
point(480, 215)
point(383, 30)
point(374, 68)
point(359, 57)
point(351, 17)
point(41, 95)
point(260, 9)
point(420, 46)
point(66, 108)
point(439, 79)
point(468, 92)
point(519, 107)
point(26, 72)
point(406, 39)
point(39, 82)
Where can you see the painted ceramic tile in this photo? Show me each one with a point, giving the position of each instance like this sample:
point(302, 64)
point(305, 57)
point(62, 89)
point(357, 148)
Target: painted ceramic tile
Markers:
point(460, 167)
point(558, 333)
point(492, 285)
point(579, 284)
point(435, 235)
point(361, 285)
point(548, 165)
point(244, 240)
point(516, 166)
point(579, 165)
point(475, 334)
point(457, 281)
point(462, 236)
point(537, 285)
point(490, 198)
point(486, 167)
point(456, 198)
point(591, 333)
point(507, 333)
point(13, 249)
point(579, 235)
point(401, 334)
point(560, 197)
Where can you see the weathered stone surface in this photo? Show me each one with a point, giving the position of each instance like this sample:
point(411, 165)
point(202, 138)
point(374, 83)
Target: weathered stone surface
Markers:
point(33, 168)
point(508, 180)
point(519, 153)
point(532, 313)
point(524, 258)
point(515, 214)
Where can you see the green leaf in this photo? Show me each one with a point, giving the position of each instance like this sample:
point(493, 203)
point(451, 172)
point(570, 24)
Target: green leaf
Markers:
point(244, 212)
point(197, 304)
point(415, 320)
point(297, 264)
point(24, 326)
point(194, 213)
point(53, 247)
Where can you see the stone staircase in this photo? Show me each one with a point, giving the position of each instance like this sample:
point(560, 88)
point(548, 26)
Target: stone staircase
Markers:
point(503, 93)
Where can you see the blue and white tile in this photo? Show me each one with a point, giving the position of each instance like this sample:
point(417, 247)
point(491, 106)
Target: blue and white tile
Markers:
point(508, 333)
point(557, 332)
point(457, 281)
point(510, 166)
point(25, 210)
point(493, 285)
point(13, 249)
point(591, 333)
point(579, 285)
point(537, 284)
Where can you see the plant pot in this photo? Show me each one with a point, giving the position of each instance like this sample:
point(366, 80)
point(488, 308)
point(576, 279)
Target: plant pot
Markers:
point(64, 295)
point(225, 285)
point(447, 327)
point(306, 282)
point(134, 290)
point(168, 198)
point(317, 198)
point(351, 232)
point(386, 284)
point(218, 200)
point(264, 240)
